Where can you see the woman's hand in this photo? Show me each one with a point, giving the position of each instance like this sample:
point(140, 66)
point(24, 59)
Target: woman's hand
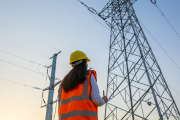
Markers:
point(104, 97)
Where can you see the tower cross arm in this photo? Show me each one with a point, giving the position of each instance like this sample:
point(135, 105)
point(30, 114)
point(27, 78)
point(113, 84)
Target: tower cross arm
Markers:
point(106, 11)
point(111, 6)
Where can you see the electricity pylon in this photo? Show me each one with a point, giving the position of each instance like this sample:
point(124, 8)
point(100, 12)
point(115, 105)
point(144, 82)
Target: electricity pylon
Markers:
point(51, 88)
point(135, 81)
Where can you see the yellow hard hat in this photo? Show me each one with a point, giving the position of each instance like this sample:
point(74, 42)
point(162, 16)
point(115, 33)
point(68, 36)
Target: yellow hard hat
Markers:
point(78, 55)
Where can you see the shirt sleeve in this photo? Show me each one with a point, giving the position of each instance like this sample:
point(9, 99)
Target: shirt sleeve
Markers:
point(96, 98)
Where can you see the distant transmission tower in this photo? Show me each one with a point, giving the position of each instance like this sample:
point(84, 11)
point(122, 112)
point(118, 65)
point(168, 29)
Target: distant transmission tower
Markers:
point(135, 81)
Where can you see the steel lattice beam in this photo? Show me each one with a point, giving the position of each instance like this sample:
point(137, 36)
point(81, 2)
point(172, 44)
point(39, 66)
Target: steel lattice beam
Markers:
point(134, 76)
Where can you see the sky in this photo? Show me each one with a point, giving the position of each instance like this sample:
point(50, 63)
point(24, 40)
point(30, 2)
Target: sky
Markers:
point(36, 29)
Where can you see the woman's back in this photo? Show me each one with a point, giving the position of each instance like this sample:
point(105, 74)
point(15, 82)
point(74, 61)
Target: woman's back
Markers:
point(77, 102)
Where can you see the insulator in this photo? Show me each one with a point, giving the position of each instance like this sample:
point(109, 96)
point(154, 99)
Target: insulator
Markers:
point(80, 2)
point(83, 4)
point(109, 24)
point(149, 103)
point(153, 1)
point(93, 10)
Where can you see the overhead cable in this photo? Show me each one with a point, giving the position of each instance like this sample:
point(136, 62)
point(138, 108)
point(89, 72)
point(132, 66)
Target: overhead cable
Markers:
point(42, 97)
point(174, 89)
point(28, 69)
point(167, 21)
point(21, 84)
point(21, 108)
point(165, 52)
point(91, 10)
point(21, 67)
point(154, 2)
point(34, 94)
point(19, 100)
point(24, 47)
point(161, 46)
point(30, 37)
point(22, 58)
point(47, 76)
point(99, 21)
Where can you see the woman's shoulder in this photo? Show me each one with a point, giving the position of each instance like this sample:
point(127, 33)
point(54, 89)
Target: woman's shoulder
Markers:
point(89, 70)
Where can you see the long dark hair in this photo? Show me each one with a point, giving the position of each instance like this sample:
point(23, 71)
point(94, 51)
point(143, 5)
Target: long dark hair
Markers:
point(76, 76)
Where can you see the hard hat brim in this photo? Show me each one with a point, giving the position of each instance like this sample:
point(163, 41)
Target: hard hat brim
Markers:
point(88, 60)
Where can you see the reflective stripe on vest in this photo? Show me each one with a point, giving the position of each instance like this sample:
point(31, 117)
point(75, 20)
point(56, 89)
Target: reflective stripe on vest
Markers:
point(78, 113)
point(73, 104)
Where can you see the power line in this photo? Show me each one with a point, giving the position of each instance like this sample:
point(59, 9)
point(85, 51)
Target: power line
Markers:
point(29, 49)
point(167, 20)
point(24, 48)
point(24, 85)
point(21, 67)
point(34, 94)
point(154, 2)
point(27, 69)
point(22, 58)
point(33, 39)
point(90, 9)
point(42, 97)
point(20, 100)
point(174, 89)
point(21, 84)
point(164, 51)
point(160, 46)
point(47, 76)
point(20, 108)
point(99, 21)
point(30, 37)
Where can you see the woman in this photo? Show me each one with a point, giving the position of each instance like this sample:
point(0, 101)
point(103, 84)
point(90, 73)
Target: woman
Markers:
point(78, 92)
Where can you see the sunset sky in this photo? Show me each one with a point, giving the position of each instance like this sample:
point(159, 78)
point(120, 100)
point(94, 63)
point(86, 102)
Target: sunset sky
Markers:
point(36, 29)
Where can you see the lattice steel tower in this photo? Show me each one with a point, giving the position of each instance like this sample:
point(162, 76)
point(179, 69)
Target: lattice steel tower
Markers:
point(135, 82)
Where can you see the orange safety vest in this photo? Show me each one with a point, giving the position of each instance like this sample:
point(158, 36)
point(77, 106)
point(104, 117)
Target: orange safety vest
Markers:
point(77, 104)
